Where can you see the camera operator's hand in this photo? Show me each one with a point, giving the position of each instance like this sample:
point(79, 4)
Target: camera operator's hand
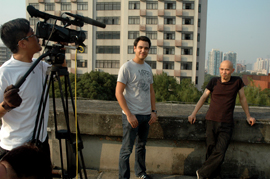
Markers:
point(11, 98)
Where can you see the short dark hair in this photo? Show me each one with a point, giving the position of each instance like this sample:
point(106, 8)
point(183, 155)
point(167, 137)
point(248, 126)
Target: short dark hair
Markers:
point(13, 31)
point(142, 38)
point(29, 161)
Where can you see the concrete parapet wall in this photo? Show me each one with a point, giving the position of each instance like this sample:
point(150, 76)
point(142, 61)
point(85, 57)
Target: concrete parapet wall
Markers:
point(174, 146)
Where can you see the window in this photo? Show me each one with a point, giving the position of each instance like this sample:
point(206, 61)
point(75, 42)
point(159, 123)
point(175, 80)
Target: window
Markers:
point(108, 49)
point(107, 64)
point(65, 6)
point(130, 49)
point(198, 52)
point(35, 5)
point(133, 20)
point(197, 66)
point(187, 36)
point(151, 35)
point(82, 6)
point(134, 4)
point(188, 21)
point(101, 6)
point(82, 63)
point(200, 8)
point(151, 5)
point(68, 62)
point(109, 20)
point(152, 64)
point(168, 65)
point(198, 37)
point(170, 5)
point(153, 50)
point(199, 22)
point(33, 21)
point(188, 5)
point(108, 35)
point(151, 20)
point(169, 20)
point(168, 50)
point(169, 35)
point(133, 34)
point(187, 51)
point(186, 65)
point(49, 6)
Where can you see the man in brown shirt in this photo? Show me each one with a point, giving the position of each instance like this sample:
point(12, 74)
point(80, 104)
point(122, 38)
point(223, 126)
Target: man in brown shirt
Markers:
point(219, 118)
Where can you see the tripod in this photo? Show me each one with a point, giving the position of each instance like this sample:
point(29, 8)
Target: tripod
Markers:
point(63, 134)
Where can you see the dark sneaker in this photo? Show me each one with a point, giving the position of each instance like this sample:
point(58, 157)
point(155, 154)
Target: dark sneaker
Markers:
point(145, 176)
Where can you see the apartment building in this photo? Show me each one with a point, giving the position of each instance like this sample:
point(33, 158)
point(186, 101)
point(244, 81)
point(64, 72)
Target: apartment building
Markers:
point(232, 56)
point(177, 30)
point(214, 60)
point(5, 54)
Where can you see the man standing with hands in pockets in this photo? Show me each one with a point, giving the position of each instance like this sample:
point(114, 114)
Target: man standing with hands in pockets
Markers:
point(219, 117)
point(136, 96)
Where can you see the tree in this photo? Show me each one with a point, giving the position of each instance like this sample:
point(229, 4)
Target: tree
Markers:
point(187, 91)
point(165, 87)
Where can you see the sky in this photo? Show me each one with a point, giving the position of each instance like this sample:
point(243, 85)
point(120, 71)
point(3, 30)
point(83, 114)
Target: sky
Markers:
point(241, 26)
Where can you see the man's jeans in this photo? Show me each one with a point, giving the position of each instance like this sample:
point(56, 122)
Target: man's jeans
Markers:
point(139, 133)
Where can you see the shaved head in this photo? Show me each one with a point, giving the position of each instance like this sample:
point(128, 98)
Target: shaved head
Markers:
point(227, 63)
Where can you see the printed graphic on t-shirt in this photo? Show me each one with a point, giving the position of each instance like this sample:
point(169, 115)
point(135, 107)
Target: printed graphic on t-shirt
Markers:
point(145, 80)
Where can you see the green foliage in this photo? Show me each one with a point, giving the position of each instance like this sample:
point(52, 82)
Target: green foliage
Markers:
point(167, 89)
point(93, 85)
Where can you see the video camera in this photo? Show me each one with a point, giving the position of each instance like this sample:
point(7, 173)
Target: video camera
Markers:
point(59, 34)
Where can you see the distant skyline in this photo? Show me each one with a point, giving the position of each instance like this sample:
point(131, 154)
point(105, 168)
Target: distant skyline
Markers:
point(240, 26)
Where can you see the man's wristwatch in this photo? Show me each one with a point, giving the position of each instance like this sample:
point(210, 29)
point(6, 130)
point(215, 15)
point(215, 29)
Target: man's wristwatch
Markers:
point(155, 111)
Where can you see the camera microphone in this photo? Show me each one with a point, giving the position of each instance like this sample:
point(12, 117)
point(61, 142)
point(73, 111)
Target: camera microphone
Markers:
point(36, 13)
point(87, 20)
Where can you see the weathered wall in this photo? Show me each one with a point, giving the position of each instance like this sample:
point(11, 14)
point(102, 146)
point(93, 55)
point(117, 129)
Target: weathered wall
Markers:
point(174, 146)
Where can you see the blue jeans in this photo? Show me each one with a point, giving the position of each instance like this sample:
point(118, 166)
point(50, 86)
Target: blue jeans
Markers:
point(139, 133)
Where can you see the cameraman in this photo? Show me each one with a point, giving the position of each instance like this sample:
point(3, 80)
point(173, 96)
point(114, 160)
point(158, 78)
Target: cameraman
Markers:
point(19, 107)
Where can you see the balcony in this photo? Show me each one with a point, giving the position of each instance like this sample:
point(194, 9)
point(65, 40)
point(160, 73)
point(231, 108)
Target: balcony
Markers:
point(143, 12)
point(159, 72)
point(72, 57)
point(142, 27)
point(177, 73)
point(178, 43)
point(177, 58)
point(160, 28)
point(159, 58)
point(179, 12)
point(57, 13)
point(161, 12)
point(178, 28)
point(160, 43)
point(73, 11)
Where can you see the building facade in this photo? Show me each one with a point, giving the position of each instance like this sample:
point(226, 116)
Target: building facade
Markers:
point(5, 54)
point(214, 60)
point(177, 30)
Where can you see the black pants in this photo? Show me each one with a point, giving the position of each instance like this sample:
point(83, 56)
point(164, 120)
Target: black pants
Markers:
point(218, 137)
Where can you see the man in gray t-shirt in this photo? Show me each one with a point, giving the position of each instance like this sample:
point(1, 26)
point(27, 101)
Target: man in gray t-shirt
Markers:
point(136, 96)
